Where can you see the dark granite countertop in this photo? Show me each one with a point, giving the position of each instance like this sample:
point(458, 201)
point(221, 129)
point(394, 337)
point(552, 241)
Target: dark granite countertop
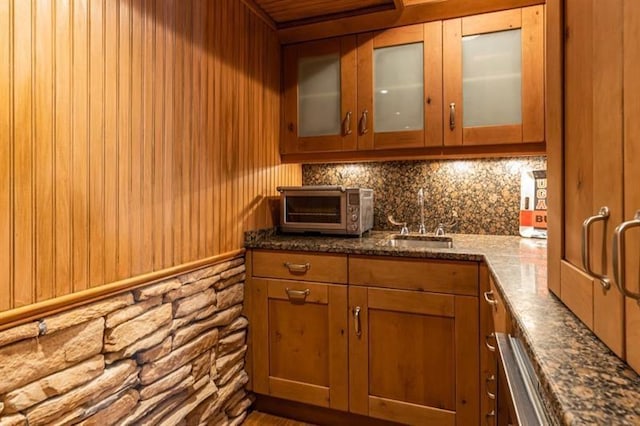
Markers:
point(583, 381)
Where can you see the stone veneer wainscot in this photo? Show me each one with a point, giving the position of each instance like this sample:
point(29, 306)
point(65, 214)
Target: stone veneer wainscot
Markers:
point(168, 353)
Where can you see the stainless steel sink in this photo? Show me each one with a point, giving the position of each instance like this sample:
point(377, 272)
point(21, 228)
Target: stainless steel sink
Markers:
point(419, 241)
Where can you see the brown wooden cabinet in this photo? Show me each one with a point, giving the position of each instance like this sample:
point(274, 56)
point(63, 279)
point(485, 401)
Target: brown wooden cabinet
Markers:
point(320, 96)
point(387, 85)
point(413, 340)
point(374, 105)
point(400, 342)
point(299, 343)
point(601, 145)
point(593, 164)
point(494, 78)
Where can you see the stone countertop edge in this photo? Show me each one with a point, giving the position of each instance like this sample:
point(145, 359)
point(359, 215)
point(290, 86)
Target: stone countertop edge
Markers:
point(583, 382)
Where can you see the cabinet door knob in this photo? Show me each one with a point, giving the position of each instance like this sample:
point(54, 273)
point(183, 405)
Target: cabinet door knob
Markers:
point(603, 214)
point(619, 256)
point(290, 127)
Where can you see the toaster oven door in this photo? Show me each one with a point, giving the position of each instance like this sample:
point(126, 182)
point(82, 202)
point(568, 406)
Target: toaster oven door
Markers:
point(314, 211)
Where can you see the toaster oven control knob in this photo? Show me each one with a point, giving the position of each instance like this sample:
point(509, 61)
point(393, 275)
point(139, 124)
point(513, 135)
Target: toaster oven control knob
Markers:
point(354, 218)
point(353, 227)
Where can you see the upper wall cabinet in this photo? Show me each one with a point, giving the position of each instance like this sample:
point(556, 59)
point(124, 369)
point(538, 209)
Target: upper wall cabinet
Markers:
point(477, 80)
point(494, 78)
point(320, 96)
point(399, 87)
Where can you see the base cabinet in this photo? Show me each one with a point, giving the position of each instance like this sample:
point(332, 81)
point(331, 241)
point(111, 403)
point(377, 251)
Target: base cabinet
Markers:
point(388, 346)
point(413, 356)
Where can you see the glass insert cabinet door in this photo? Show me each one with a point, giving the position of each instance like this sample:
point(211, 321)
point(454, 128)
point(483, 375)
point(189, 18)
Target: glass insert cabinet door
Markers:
point(399, 81)
point(493, 78)
point(319, 96)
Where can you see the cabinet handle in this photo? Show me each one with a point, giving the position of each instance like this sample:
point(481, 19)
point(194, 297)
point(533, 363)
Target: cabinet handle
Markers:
point(297, 296)
point(603, 214)
point(363, 122)
point(491, 301)
point(619, 255)
point(356, 320)
point(487, 344)
point(290, 127)
point(452, 115)
point(346, 126)
point(488, 418)
point(297, 268)
point(488, 380)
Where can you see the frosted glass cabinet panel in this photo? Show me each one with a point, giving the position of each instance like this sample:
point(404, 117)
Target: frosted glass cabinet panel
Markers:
point(319, 95)
point(398, 88)
point(492, 79)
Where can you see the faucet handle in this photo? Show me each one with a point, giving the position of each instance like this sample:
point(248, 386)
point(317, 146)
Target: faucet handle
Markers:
point(404, 230)
point(439, 232)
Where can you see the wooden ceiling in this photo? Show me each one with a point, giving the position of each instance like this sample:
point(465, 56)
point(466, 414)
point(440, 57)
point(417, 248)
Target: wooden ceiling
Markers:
point(303, 20)
point(287, 13)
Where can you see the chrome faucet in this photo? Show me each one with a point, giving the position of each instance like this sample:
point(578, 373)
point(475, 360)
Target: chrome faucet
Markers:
point(421, 229)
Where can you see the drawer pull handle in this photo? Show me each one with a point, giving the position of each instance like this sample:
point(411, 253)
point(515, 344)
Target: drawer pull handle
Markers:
point(297, 268)
point(356, 320)
point(487, 344)
point(490, 379)
point(489, 417)
point(603, 214)
point(297, 296)
point(346, 127)
point(490, 300)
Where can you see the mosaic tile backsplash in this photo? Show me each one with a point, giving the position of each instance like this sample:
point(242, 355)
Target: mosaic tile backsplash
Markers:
point(484, 194)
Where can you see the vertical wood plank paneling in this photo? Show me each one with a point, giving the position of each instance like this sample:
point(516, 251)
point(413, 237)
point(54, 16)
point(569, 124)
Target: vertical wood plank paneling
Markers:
point(178, 113)
point(43, 155)
point(6, 143)
point(158, 127)
point(62, 51)
point(134, 136)
point(148, 136)
point(96, 74)
point(111, 34)
point(168, 234)
point(80, 150)
point(137, 134)
point(124, 139)
point(23, 208)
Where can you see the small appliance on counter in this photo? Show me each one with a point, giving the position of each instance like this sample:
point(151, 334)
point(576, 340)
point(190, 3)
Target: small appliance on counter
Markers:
point(533, 204)
point(328, 210)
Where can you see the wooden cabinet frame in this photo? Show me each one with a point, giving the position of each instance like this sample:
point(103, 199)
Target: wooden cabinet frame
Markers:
point(345, 47)
point(430, 34)
point(531, 21)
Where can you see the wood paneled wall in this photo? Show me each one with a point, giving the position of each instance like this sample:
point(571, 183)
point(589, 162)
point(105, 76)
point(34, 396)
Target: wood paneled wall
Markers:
point(135, 135)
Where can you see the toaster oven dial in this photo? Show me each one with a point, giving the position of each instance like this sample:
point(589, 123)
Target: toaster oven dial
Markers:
point(354, 218)
point(353, 227)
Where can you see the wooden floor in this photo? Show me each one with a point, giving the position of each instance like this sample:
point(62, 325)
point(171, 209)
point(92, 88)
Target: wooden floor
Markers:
point(257, 418)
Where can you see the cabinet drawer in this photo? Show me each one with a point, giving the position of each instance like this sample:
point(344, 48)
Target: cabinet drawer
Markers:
point(501, 320)
point(300, 266)
point(441, 276)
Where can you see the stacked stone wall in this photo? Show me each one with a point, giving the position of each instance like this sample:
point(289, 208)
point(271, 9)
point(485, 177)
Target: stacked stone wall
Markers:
point(171, 353)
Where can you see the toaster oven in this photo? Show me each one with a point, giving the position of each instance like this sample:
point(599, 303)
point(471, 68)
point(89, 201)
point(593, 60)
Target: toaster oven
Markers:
point(331, 210)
